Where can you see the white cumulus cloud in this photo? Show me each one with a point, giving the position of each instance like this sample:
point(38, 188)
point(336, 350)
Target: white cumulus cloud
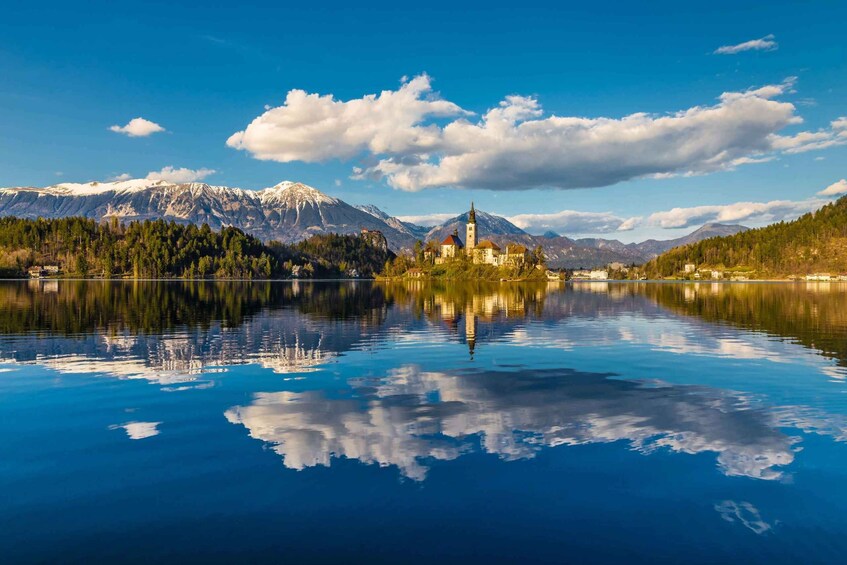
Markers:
point(813, 140)
point(428, 219)
point(172, 174)
point(138, 127)
point(759, 212)
point(311, 127)
point(766, 43)
point(413, 139)
point(835, 188)
point(573, 222)
point(120, 177)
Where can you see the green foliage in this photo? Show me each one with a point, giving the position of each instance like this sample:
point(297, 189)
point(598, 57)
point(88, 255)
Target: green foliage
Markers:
point(160, 249)
point(151, 249)
point(814, 242)
point(337, 255)
point(461, 268)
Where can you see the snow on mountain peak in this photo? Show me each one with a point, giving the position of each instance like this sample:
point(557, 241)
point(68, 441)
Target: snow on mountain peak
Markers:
point(373, 211)
point(294, 194)
point(92, 188)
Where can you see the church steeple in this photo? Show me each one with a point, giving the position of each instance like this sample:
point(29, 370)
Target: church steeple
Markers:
point(470, 231)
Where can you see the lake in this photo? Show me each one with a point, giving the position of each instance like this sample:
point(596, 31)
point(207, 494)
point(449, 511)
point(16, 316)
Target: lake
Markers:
point(359, 421)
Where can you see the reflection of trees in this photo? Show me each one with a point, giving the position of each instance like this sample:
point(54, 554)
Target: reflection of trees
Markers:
point(814, 314)
point(115, 312)
point(77, 307)
point(411, 416)
point(170, 332)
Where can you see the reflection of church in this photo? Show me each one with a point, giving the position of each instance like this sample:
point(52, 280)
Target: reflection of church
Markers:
point(480, 252)
point(470, 329)
point(493, 311)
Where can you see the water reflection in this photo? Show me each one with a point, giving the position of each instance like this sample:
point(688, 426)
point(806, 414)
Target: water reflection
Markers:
point(171, 333)
point(184, 336)
point(745, 514)
point(293, 326)
point(411, 416)
point(138, 430)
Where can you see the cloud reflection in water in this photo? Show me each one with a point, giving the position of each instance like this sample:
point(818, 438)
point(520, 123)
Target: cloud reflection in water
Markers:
point(412, 416)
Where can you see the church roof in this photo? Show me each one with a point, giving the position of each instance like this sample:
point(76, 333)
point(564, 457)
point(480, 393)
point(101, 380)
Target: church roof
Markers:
point(472, 215)
point(486, 244)
point(452, 240)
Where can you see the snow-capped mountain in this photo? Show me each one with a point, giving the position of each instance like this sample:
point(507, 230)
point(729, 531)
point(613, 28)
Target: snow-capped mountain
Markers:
point(288, 211)
point(292, 211)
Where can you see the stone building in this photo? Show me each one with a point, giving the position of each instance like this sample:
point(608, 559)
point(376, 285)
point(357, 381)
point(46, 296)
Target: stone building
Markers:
point(514, 256)
point(486, 252)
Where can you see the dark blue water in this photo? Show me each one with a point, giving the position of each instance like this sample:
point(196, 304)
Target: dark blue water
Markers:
point(344, 422)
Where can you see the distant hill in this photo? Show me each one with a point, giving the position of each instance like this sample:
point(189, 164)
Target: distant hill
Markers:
point(654, 247)
point(815, 242)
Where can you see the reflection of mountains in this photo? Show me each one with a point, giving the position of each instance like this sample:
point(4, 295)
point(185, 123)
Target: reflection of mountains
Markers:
point(171, 332)
point(411, 417)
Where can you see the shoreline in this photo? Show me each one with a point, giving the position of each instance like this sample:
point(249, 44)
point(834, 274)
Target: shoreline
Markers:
point(426, 280)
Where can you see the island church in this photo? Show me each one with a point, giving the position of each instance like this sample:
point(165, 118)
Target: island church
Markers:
point(480, 252)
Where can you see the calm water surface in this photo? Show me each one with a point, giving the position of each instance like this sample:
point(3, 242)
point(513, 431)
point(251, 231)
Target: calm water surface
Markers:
point(338, 422)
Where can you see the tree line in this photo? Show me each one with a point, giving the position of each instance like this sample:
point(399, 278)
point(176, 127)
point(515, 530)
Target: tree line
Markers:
point(161, 249)
point(815, 242)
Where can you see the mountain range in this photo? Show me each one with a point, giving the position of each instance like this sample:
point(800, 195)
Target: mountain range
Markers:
point(292, 211)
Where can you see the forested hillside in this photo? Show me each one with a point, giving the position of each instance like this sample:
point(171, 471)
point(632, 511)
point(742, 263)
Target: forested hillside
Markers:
point(157, 249)
point(815, 242)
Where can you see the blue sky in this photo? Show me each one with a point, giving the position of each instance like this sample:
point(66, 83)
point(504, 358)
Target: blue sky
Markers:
point(72, 70)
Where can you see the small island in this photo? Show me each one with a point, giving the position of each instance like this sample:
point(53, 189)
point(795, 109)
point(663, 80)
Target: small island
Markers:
point(473, 259)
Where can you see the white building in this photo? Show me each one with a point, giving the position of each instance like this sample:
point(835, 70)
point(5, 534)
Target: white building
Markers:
point(486, 252)
point(451, 246)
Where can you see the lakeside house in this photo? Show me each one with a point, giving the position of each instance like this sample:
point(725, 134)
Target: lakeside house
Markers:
point(38, 271)
point(590, 275)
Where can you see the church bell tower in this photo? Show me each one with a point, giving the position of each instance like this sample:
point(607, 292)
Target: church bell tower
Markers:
point(470, 233)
